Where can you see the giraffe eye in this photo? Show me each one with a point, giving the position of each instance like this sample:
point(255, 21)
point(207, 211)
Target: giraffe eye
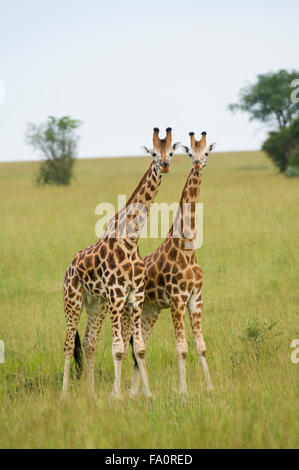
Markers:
point(190, 155)
point(154, 154)
point(171, 154)
point(206, 154)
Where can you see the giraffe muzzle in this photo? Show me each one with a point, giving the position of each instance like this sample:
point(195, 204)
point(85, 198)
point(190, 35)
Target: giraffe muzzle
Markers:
point(198, 165)
point(164, 167)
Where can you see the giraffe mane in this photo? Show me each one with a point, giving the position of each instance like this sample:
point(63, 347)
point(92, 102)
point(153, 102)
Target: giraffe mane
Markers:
point(181, 202)
point(136, 190)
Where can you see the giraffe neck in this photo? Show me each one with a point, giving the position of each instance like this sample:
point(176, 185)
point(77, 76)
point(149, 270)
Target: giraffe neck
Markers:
point(183, 229)
point(128, 222)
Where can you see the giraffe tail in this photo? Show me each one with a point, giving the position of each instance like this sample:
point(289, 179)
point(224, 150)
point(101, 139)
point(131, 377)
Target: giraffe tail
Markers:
point(78, 355)
point(133, 354)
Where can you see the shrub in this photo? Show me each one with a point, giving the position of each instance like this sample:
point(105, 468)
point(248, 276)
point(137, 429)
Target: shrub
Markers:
point(282, 147)
point(57, 141)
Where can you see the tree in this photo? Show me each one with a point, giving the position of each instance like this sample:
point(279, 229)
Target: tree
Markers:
point(57, 141)
point(269, 99)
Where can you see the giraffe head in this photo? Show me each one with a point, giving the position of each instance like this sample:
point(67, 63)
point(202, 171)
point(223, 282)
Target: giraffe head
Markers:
point(199, 150)
point(162, 150)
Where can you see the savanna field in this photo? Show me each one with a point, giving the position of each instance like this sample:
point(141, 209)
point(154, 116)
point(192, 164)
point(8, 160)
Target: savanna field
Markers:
point(250, 316)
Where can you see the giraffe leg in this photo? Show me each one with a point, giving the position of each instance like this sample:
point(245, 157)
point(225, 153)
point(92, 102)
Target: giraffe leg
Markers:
point(178, 315)
point(126, 327)
point(95, 313)
point(148, 319)
point(73, 303)
point(136, 300)
point(116, 306)
point(195, 308)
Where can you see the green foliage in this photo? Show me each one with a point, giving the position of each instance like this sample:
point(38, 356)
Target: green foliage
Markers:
point(255, 346)
point(282, 147)
point(257, 331)
point(57, 141)
point(292, 171)
point(269, 99)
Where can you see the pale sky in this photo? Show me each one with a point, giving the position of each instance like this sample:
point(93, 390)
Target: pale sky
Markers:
point(124, 67)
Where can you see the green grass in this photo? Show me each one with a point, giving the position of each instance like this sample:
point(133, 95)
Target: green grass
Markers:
point(250, 261)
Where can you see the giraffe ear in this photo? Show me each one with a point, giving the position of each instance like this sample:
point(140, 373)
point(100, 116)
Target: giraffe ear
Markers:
point(174, 146)
point(147, 150)
point(184, 147)
point(212, 146)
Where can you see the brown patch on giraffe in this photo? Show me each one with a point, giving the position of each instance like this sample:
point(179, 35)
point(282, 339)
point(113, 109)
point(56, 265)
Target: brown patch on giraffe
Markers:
point(175, 269)
point(111, 280)
point(88, 261)
point(121, 280)
point(103, 251)
point(189, 273)
point(118, 292)
point(182, 261)
point(81, 267)
point(152, 272)
point(150, 284)
point(120, 254)
point(111, 261)
point(151, 294)
point(169, 288)
point(183, 285)
point(100, 271)
point(161, 262)
point(92, 274)
point(167, 246)
point(161, 280)
point(75, 281)
point(172, 254)
point(71, 292)
point(127, 267)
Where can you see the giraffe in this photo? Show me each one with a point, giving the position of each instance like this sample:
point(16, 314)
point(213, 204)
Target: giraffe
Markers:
point(173, 277)
point(109, 274)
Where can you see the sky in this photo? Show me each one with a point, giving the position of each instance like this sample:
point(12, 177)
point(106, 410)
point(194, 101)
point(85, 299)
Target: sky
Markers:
point(124, 67)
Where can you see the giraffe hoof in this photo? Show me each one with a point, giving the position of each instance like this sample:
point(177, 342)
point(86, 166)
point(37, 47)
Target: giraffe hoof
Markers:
point(134, 393)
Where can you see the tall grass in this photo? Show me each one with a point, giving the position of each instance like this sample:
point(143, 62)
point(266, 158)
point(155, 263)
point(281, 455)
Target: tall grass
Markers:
point(250, 261)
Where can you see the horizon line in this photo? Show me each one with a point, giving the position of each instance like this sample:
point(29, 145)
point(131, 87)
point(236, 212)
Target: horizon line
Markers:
point(118, 156)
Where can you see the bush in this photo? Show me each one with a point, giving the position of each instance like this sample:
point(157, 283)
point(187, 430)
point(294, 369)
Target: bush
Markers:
point(283, 148)
point(292, 171)
point(57, 142)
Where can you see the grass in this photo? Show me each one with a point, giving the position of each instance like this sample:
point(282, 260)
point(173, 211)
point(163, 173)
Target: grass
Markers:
point(249, 258)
